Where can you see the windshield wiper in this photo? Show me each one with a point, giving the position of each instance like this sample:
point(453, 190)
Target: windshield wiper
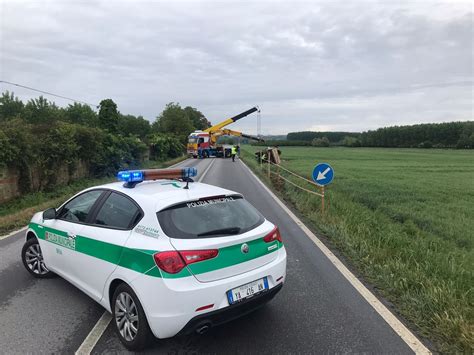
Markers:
point(231, 230)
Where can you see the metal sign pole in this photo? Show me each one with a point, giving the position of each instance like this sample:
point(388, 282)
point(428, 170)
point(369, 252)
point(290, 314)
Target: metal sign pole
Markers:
point(322, 199)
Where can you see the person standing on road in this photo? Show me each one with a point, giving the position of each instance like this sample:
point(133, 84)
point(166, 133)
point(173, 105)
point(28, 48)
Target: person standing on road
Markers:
point(233, 152)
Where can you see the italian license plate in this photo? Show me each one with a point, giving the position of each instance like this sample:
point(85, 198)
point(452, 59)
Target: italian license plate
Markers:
point(249, 290)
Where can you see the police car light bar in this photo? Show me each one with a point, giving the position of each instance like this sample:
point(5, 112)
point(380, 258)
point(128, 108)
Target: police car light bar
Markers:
point(133, 177)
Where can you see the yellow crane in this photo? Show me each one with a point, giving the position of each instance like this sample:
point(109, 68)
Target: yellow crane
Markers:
point(204, 143)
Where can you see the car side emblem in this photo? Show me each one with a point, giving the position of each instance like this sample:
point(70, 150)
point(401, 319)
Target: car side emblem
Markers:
point(244, 248)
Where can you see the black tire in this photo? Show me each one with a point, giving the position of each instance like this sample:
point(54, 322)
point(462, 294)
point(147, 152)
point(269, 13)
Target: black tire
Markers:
point(32, 258)
point(143, 335)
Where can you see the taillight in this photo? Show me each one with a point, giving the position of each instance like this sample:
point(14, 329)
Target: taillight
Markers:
point(169, 261)
point(193, 256)
point(173, 262)
point(273, 235)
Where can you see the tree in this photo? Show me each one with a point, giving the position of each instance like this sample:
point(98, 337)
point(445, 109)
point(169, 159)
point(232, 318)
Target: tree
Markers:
point(10, 106)
point(108, 116)
point(350, 142)
point(197, 118)
point(165, 146)
point(173, 120)
point(130, 125)
point(320, 142)
point(41, 111)
point(81, 114)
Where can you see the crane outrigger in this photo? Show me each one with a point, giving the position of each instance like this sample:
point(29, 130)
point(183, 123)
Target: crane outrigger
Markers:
point(204, 143)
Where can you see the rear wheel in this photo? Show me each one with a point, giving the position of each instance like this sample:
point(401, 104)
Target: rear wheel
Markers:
point(33, 261)
point(129, 317)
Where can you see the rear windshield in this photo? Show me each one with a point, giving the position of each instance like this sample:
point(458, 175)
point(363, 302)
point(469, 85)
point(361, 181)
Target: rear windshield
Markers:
point(209, 218)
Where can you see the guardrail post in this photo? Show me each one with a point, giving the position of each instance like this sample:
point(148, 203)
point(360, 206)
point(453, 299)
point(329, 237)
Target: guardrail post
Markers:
point(268, 166)
point(322, 199)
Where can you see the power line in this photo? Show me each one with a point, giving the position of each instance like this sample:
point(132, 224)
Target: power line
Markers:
point(48, 93)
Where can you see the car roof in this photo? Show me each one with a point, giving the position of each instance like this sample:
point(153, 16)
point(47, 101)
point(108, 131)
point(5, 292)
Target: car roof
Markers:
point(164, 193)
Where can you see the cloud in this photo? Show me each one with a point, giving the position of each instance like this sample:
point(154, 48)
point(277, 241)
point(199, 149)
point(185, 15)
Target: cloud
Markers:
point(308, 65)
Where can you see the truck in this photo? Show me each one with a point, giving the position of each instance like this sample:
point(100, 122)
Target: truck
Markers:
point(203, 144)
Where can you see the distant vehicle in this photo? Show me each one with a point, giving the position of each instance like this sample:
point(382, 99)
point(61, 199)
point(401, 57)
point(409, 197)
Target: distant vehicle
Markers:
point(203, 144)
point(164, 256)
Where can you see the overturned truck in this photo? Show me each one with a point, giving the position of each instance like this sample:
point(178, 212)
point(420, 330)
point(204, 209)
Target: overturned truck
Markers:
point(272, 153)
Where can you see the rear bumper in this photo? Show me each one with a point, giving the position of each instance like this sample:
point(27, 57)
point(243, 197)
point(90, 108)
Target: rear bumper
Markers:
point(231, 312)
point(172, 304)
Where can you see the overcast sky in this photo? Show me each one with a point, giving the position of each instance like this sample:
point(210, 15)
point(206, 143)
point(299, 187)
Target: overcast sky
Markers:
point(330, 65)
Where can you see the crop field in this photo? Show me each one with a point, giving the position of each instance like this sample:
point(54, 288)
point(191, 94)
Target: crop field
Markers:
point(404, 219)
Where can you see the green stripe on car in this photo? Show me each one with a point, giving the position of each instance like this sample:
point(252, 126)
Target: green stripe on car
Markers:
point(141, 260)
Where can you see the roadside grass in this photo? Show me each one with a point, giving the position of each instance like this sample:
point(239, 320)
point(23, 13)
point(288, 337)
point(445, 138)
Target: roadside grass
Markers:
point(404, 218)
point(16, 213)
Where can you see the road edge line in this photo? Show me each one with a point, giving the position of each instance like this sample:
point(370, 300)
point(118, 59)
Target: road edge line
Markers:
point(407, 336)
point(22, 229)
point(94, 335)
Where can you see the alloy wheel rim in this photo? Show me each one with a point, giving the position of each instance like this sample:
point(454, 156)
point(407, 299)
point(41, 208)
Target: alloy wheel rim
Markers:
point(34, 260)
point(126, 316)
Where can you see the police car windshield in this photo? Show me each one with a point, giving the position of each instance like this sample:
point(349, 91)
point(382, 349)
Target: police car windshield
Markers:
point(209, 218)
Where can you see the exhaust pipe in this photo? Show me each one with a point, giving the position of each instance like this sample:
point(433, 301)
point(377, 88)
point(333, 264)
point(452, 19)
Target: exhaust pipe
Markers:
point(203, 329)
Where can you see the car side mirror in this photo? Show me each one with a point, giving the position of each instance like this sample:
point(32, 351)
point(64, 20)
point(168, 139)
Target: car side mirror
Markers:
point(50, 213)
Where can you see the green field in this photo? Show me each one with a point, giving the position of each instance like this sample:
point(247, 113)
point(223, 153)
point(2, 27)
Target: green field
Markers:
point(404, 218)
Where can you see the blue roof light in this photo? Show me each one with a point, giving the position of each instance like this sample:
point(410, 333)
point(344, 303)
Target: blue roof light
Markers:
point(189, 172)
point(131, 176)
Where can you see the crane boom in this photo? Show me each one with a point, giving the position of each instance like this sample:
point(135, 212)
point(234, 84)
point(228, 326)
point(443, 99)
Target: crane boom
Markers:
point(228, 132)
point(204, 143)
point(230, 120)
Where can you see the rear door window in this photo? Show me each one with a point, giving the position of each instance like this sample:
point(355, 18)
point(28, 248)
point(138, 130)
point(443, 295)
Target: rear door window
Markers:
point(209, 218)
point(118, 212)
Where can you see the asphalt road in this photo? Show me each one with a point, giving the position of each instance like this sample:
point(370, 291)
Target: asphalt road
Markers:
point(317, 311)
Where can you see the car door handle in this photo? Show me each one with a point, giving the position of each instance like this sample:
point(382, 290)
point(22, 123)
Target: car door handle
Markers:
point(71, 236)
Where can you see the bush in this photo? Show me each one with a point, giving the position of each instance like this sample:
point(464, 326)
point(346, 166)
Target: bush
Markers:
point(349, 141)
point(426, 144)
point(320, 142)
point(49, 148)
point(165, 146)
point(42, 138)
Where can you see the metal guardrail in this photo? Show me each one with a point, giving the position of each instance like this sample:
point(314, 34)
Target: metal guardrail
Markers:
point(269, 164)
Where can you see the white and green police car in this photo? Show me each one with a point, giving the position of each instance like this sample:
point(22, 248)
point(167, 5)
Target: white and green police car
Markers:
point(164, 256)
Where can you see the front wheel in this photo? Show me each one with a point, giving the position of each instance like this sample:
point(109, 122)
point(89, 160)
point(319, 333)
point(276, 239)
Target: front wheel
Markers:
point(130, 321)
point(33, 261)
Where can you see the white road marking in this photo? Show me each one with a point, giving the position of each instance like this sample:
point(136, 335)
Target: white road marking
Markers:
point(408, 337)
point(13, 233)
point(94, 335)
point(206, 171)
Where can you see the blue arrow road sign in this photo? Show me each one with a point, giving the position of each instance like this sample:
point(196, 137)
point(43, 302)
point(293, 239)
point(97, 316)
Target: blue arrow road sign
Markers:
point(323, 174)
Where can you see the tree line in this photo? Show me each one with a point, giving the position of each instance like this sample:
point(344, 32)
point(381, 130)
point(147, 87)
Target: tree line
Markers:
point(458, 135)
point(40, 135)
